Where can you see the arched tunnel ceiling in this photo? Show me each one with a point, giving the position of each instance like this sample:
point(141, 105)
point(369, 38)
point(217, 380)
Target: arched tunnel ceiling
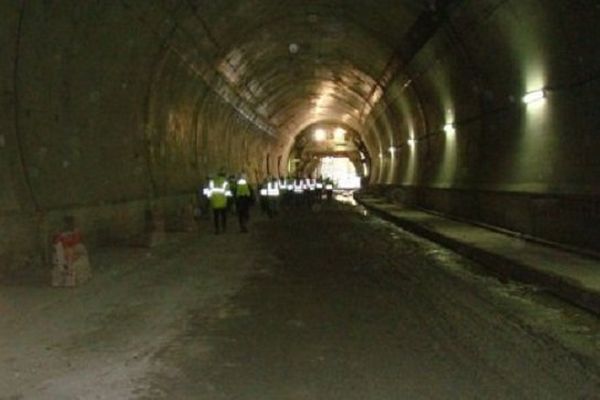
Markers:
point(128, 102)
point(343, 49)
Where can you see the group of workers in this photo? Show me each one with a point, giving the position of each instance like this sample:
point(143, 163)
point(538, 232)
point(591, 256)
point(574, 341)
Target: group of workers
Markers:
point(293, 192)
point(235, 195)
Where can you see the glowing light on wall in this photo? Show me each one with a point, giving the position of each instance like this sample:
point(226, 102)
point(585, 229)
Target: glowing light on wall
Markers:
point(534, 96)
point(446, 169)
point(411, 160)
point(392, 150)
point(320, 135)
point(450, 129)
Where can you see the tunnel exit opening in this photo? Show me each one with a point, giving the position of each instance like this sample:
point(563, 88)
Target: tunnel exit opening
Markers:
point(331, 150)
point(341, 170)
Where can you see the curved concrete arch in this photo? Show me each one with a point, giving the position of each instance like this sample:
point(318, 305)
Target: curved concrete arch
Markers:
point(113, 107)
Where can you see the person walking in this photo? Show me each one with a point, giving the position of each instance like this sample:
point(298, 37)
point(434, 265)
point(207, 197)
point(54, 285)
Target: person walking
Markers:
point(273, 196)
point(218, 193)
point(329, 189)
point(243, 200)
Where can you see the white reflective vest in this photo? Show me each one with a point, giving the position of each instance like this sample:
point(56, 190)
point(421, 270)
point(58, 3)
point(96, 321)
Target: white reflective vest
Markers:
point(218, 193)
point(283, 186)
point(298, 187)
point(273, 189)
point(217, 190)
point(243, 190)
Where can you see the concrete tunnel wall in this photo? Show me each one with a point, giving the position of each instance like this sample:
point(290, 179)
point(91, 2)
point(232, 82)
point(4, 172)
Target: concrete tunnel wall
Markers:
point(532, 168)
point(106, 112)
point(102, 119)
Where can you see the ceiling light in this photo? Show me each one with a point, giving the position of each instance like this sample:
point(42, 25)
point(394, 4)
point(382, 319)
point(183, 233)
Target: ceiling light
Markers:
point(320, 135)
point(411, 142)
point(293, 48)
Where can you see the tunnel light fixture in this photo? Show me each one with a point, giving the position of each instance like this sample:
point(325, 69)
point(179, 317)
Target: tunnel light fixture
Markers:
point(535, 96)
point(380, 155)
point(392, 149)
point(293, 48)
point(339, 134)
point(320, 135)
point(412, 142)
point(450, 129)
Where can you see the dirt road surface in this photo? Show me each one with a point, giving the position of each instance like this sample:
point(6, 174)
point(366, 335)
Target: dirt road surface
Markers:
point(324, 305)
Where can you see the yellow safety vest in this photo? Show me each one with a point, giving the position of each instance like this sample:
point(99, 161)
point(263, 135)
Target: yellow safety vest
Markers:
point(243, 190)
point(218, 193)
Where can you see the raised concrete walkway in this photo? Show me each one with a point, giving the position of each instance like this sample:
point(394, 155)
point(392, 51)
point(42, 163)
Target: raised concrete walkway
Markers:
point(569, 275)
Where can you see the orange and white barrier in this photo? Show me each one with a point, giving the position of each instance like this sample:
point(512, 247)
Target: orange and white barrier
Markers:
point(71, 265)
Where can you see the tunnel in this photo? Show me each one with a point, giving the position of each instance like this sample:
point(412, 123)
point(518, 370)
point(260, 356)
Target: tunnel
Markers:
point(481, 112)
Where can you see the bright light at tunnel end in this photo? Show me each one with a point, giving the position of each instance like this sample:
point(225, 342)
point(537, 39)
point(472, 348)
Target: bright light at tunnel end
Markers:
point(320, 135)
point(339, 134)
point(534, 96)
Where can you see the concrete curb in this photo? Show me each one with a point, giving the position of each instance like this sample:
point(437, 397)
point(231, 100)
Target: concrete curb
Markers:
point(503, 267)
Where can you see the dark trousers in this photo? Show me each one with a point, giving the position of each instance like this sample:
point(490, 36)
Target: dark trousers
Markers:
point(329, 195)
point(220, 216)
point(243, 212)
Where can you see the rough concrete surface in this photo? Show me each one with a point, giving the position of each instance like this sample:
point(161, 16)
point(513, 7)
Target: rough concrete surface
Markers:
point(572, 275)
point(329, 305)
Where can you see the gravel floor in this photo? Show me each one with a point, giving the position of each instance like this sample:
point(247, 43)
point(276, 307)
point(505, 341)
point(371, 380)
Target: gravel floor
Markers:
point(310, 305)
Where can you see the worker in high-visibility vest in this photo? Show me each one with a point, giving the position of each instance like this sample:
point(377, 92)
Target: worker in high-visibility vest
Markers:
point(218, 194)
point(329, 188)
point(298, 191)
point(263, 198)
point(287, 192)
point(273, 196)
point(231, 204)
point(203, 200)
point(319, 188)
point(283, 195)
point(243, 200)
point(311, 184)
